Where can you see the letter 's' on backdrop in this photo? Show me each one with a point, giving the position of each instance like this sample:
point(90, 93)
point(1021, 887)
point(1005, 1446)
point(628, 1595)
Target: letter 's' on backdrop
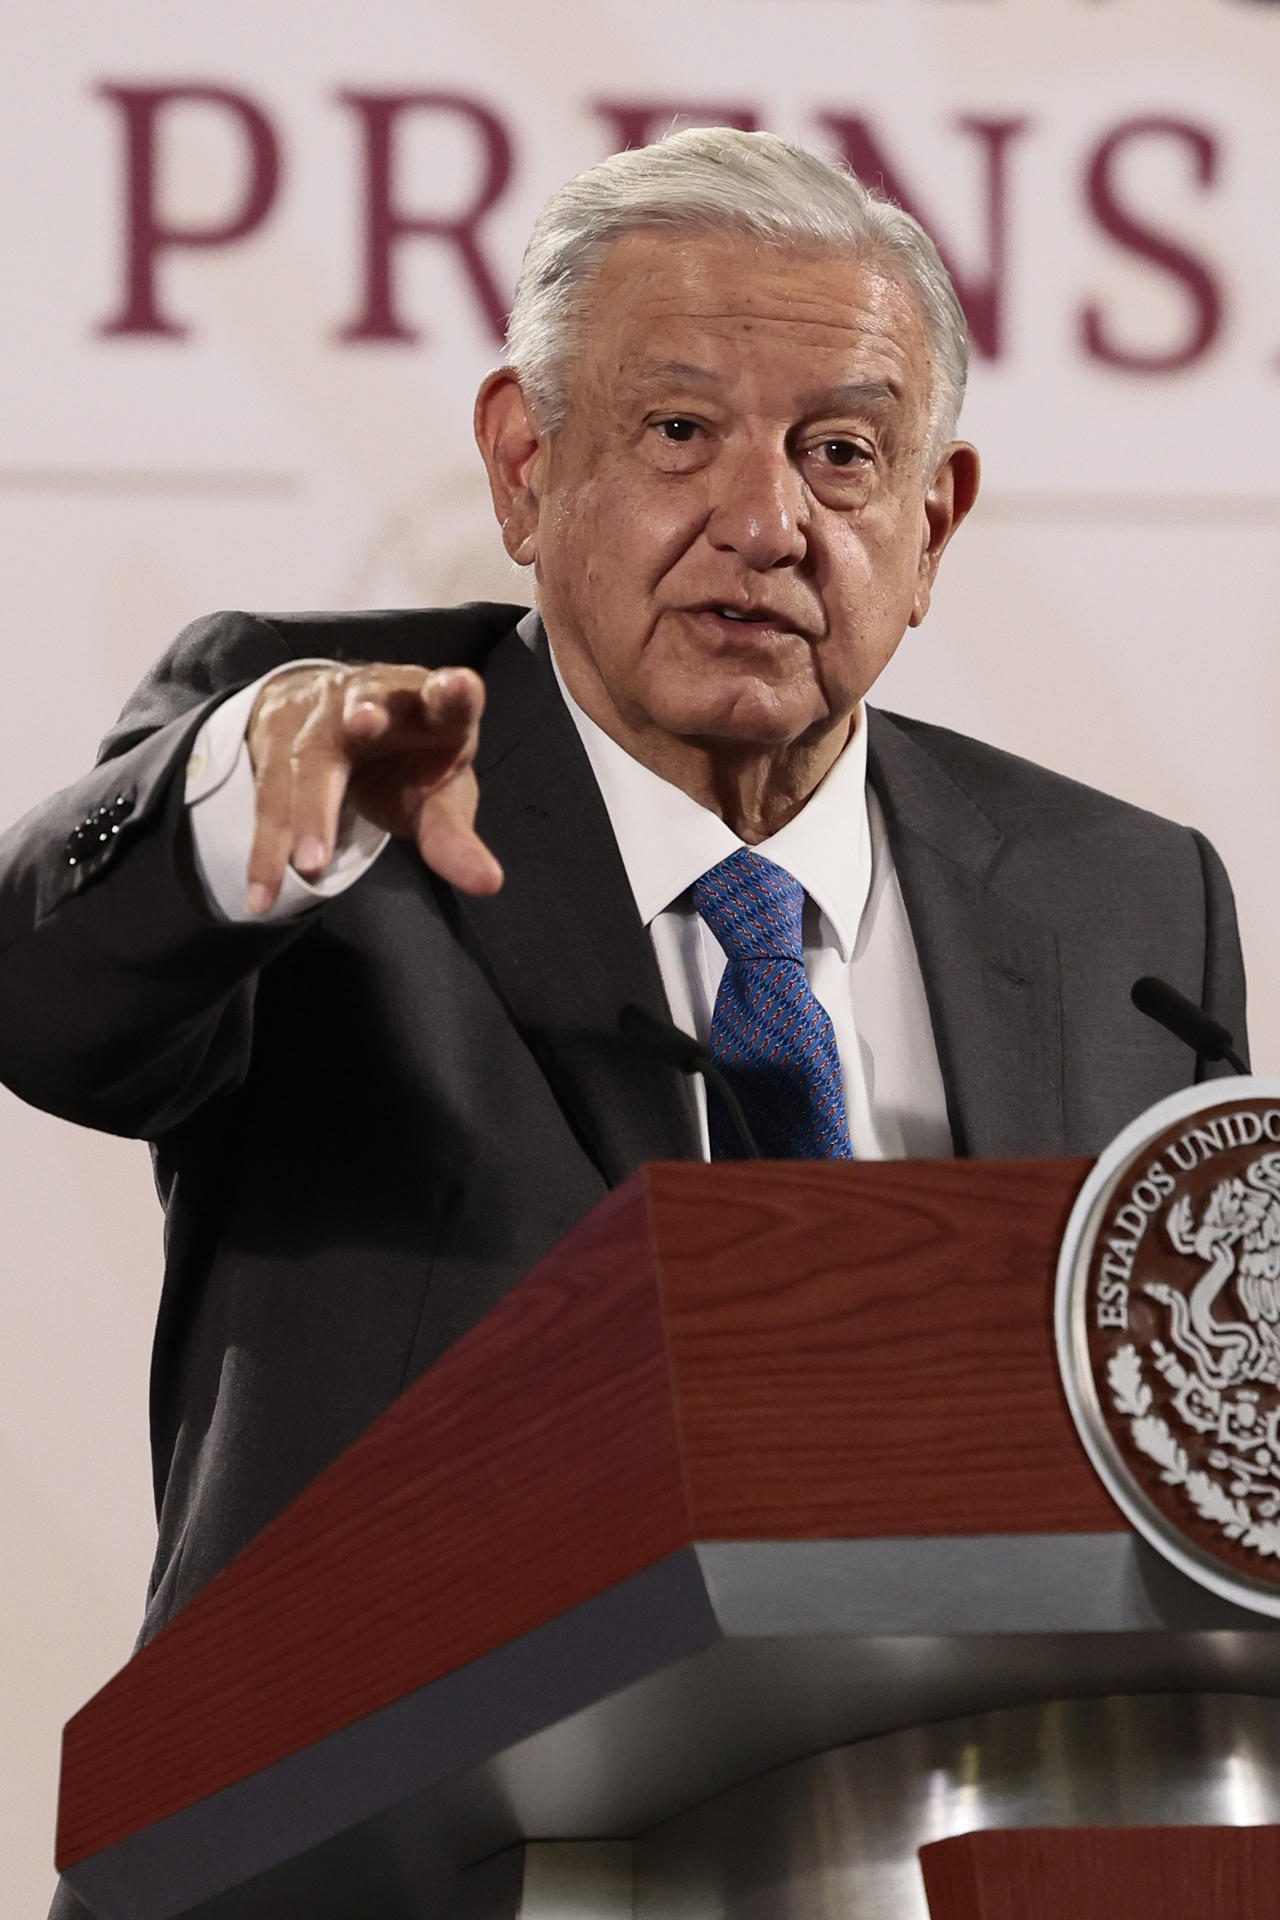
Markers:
point(255, 265)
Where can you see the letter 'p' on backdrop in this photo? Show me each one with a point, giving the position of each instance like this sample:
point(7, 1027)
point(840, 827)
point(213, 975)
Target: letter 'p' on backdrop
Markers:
point(256, 258)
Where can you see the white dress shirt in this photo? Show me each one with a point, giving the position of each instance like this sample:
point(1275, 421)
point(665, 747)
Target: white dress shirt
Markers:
point(859, 954)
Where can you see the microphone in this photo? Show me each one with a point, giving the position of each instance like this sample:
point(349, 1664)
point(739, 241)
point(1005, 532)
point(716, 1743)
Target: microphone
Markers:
point(1185, 1020)
point(687, 1055)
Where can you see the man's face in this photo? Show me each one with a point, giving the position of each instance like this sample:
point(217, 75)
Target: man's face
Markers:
point(734, 525)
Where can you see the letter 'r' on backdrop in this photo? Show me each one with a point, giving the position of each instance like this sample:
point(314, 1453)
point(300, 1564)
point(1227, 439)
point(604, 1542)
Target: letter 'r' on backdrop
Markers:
point(255, 265)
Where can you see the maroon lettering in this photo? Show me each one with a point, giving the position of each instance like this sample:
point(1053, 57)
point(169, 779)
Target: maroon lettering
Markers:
point(147, 235)
point(1205, 307)
point(634, 123)
point(386, 225)
point(981, 294)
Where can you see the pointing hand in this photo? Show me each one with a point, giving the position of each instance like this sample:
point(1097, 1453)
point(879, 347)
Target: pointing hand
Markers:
point(398, 741)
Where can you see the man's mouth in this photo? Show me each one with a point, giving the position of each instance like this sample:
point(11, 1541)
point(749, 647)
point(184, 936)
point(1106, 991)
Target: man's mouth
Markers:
point(763, 618)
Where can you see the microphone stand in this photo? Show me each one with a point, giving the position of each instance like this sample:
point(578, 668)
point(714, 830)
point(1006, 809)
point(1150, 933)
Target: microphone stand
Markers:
point(688, 1056)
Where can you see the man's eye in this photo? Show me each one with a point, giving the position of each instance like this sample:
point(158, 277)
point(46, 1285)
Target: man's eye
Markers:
point(677, 429)
point(841, 453)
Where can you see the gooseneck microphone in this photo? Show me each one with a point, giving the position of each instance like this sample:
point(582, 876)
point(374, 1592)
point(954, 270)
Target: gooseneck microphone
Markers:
point(1185, 1020)
point(687, 1055)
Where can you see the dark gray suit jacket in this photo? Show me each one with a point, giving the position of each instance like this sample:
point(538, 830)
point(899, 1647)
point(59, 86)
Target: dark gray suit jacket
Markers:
point(367, 1125)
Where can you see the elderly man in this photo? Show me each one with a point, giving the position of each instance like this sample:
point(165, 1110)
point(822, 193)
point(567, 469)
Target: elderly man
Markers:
point(354, 961)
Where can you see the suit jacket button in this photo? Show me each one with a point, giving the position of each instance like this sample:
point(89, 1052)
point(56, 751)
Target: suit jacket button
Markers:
point(89, 843)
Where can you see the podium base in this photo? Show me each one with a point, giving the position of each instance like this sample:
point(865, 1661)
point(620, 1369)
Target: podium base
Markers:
point(839, 1832)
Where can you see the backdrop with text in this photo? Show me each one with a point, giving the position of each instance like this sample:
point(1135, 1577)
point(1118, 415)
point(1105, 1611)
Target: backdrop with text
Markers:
point(256, 268)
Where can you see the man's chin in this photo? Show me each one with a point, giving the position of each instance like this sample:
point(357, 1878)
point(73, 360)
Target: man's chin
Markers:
point(750, 725)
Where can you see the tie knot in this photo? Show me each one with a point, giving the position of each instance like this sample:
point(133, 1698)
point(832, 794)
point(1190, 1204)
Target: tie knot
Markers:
point(754, 908)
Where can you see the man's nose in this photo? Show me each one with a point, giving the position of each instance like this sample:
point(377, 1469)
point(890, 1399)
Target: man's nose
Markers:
point(758, 507)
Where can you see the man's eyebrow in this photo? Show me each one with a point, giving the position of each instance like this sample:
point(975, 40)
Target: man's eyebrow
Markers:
point(681, 370)
point(874, 395)
point(853, 397)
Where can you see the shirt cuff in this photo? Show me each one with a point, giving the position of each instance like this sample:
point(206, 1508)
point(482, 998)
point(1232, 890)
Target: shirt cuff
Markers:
point(221, 809)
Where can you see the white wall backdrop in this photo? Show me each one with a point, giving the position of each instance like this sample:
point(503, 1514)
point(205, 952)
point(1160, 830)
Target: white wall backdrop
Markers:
point(1102, 175)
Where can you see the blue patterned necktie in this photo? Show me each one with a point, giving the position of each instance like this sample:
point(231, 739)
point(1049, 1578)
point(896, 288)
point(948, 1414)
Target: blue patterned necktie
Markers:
point(770, 1037)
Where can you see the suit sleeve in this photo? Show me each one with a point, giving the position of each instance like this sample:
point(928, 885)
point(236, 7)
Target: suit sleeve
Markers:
point(1223, 993)
point(125, 1003)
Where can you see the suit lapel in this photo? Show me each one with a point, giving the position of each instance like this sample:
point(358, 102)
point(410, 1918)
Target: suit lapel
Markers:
point(562, 942)
point(992, 974)
point(564, 947)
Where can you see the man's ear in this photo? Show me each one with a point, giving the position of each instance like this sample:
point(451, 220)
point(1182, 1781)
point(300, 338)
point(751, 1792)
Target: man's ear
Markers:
point(952, 492)
point(509, 446)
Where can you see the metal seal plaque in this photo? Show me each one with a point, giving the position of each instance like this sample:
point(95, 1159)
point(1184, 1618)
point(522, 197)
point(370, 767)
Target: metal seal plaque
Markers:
point(1168, 1331)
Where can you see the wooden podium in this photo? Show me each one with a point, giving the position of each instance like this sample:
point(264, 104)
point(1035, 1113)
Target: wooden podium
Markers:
point(762, 1482)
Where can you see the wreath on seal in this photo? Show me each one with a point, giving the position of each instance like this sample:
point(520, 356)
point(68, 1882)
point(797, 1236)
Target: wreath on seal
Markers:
point(1152, 1435)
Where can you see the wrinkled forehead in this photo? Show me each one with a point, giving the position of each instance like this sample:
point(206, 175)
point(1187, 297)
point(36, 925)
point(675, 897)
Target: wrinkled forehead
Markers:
point(727, 302)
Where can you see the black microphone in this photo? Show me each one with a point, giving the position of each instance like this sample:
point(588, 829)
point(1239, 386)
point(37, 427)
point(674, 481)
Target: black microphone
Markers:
point(687, 1055)
point(1184, 1019)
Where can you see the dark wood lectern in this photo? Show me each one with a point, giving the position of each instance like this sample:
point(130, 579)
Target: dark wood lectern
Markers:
point(764, 1463)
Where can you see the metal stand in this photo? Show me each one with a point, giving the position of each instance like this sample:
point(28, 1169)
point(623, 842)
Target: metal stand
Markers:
point(838, 1833)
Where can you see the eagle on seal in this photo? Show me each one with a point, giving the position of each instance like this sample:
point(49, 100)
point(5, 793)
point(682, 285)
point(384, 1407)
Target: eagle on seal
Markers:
point(1238, 1238)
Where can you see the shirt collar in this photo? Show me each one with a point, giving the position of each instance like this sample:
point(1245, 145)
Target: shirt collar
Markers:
point(827, 845)
point(667, 841)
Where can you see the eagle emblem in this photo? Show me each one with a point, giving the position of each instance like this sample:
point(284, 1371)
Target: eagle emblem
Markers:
point(1169, 1331)
point(1220, 1355)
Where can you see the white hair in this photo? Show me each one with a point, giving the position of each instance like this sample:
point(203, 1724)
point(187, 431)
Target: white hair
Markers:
point(717, 180)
